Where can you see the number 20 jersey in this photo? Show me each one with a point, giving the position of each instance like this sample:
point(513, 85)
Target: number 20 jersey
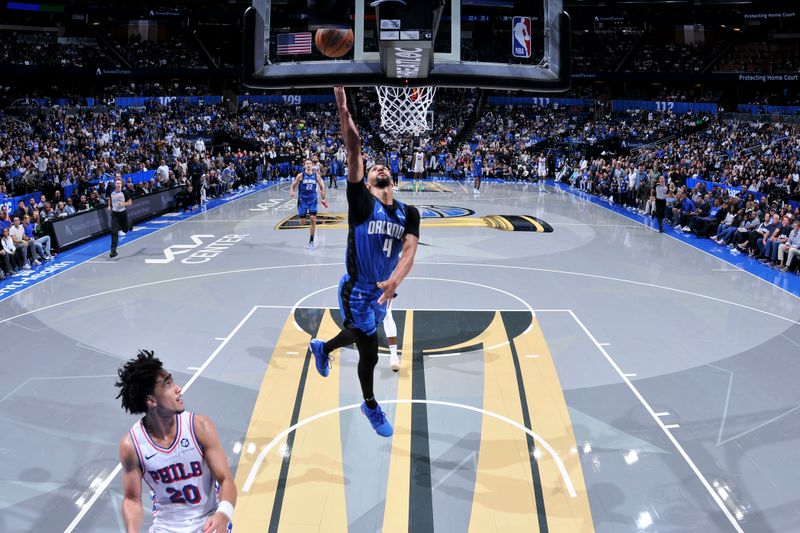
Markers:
point(184, 491)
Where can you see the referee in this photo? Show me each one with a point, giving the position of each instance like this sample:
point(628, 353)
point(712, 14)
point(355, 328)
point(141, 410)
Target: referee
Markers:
point(661, 203)
point(118, 203)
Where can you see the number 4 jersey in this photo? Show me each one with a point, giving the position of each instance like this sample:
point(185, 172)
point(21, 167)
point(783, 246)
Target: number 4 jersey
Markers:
point(184, 491)
point(376, 234)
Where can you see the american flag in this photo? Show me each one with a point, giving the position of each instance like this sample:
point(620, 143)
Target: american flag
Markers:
point(294, 43)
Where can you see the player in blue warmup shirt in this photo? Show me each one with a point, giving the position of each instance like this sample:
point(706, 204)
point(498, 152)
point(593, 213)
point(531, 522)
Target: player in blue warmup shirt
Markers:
point(307, 182)
point(380, 228)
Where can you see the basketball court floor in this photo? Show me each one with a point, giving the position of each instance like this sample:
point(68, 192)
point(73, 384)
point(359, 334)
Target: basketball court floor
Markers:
point(599, 377)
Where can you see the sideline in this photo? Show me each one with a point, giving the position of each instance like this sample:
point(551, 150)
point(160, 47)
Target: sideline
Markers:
point(789, 283)
point(97, 247)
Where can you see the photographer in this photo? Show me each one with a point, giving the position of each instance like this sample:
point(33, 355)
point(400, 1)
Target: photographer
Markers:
point(522, 173)
point(184, 199)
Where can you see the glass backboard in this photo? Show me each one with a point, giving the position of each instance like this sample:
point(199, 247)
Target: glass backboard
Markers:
point(492, 44)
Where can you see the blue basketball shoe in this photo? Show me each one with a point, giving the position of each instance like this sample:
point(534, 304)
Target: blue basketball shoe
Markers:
point(323, 362)
point(378, 420)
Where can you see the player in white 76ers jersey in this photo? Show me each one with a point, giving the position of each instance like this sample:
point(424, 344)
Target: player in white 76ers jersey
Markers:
point(177, 453)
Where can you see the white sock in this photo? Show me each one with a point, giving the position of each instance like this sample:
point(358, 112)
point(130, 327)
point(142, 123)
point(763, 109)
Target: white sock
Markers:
point(389, 326)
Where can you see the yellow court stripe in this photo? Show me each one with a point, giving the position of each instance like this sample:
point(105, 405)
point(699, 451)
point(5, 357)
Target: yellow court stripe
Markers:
point(272, 414)
point(458, 222)
point(503, 499)
point(395, 516)
point(316, 473)
point(535, 223)
point(550, 419)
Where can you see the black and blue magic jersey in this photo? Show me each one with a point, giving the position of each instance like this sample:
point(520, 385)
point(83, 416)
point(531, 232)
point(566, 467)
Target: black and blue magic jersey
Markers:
point(376, 232)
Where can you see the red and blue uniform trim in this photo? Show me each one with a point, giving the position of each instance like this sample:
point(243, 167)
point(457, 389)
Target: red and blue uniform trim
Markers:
point(194, 437)
point(175, 442)
point(138, 452)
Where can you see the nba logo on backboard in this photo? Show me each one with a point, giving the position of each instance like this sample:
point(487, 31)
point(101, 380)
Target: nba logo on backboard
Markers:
point(521, 36)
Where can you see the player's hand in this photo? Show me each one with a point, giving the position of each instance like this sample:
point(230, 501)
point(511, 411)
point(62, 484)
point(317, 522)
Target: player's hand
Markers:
point(218, 523)
point(388, 287)
point(292, 193)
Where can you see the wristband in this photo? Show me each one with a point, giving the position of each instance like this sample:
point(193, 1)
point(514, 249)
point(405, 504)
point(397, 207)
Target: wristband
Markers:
point(225, 508)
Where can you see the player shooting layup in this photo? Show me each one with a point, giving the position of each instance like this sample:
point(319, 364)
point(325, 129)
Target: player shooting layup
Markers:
point(379, 227)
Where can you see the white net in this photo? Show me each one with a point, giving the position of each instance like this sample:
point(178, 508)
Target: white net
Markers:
point(405, 109)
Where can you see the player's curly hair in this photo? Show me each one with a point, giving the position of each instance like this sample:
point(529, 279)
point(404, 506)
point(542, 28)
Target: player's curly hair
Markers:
point(137, 380)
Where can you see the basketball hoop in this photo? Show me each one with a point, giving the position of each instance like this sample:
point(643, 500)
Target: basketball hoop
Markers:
point(405, 109)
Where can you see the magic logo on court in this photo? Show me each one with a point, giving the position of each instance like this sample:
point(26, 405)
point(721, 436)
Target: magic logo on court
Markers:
point(437, 216)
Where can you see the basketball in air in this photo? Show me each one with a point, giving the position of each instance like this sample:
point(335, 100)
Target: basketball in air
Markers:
point(334, 42)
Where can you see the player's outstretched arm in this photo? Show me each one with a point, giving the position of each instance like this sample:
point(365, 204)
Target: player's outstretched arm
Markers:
point(132, 512)
point(352, 139)
point(402, 269)
point(218, 463)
